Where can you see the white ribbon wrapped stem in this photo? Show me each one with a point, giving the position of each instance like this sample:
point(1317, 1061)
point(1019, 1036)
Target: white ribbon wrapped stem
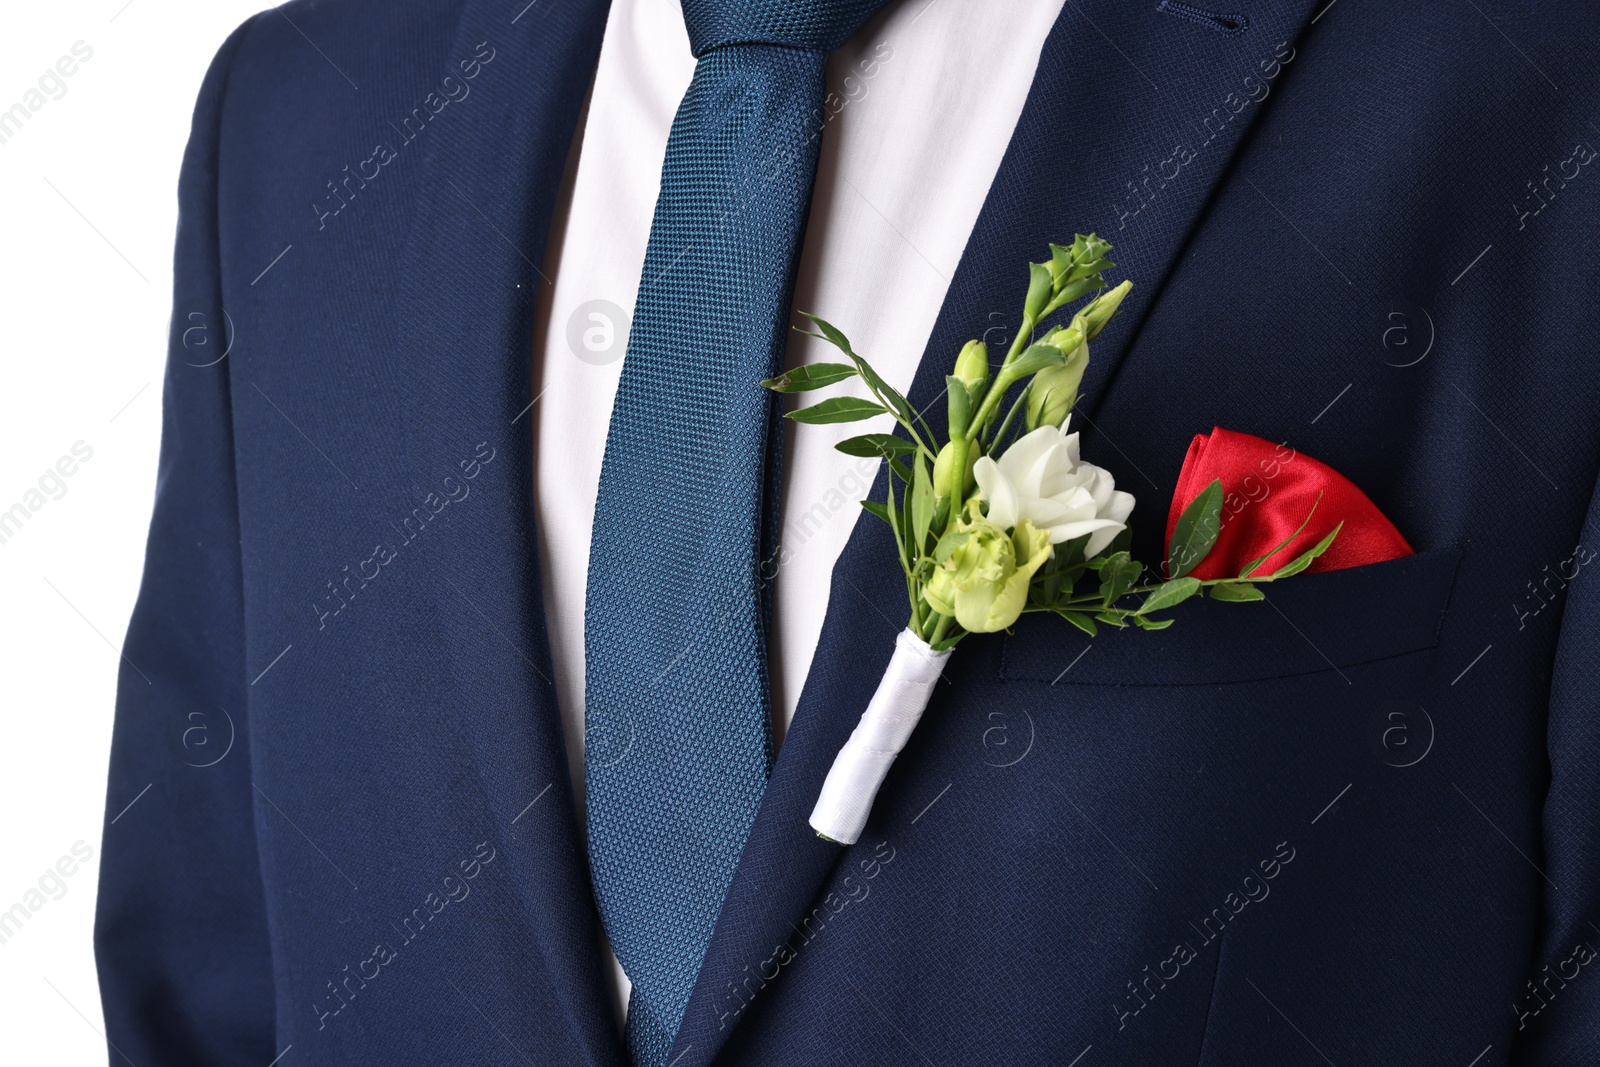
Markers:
point(861, 765)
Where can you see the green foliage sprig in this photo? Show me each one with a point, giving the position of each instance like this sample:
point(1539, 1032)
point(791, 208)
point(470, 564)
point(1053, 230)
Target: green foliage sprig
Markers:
point(964, 573)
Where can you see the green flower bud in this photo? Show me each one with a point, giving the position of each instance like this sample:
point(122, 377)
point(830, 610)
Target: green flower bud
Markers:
point(1066, 338)
point(1055, 390)
point(944, 477)
point(1041, 287)
point(972, 365)
point(1085, 258)
point(1101, 308)
point(984, 581)
point(1076, 268)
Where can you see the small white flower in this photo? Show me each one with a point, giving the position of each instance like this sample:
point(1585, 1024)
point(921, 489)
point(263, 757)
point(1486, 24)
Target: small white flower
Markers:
point(1040, 480)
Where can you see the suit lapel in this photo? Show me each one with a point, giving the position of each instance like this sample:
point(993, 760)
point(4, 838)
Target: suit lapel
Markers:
point(492, 165)
point(1132, 119)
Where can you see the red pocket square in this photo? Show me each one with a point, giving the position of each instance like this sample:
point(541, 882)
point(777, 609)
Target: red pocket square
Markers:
point(1268, 490)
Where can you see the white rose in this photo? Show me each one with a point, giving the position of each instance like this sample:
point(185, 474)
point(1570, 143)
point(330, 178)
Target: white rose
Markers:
point(1041, 480)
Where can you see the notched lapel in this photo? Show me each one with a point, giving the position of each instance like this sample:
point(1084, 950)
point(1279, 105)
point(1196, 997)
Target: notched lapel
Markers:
point(1132, 119)
point(492, 167)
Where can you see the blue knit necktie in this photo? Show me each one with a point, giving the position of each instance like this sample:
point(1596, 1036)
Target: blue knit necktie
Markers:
point(677, 735)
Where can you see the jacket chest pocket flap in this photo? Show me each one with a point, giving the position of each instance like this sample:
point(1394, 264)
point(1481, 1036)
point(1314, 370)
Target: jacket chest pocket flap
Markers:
point(1307, 624)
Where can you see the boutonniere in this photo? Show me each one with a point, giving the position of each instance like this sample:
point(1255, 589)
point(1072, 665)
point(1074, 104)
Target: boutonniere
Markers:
point(1003, 517)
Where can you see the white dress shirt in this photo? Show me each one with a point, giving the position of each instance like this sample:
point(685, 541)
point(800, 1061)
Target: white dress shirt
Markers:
point(923, 100)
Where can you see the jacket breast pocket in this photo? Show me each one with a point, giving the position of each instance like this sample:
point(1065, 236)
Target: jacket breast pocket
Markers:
point(1161, 769)
point(1335, 621)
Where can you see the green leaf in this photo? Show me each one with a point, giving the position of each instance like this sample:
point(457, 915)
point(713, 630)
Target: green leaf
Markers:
point(838, 409)
point(896, 523)
point(1081, 621)
point(1169, 593)
point(1072, 290)
point(921, 505)
point(1152, 624)
point(1255, 564)
point(831, 333)
point(1069, 553)
point(1195, 531)
point(1061, 572)
point(948, 544)
point(1051, 583)
point(901, 407)
point(1111, 619)
point(879, 509)
point(1036, 358)
point(810, 376)
point(900, 470)
point(876, 446)
point(1123, 542)
point(1118, 575)
point(1237, 592)
point(1302, 561)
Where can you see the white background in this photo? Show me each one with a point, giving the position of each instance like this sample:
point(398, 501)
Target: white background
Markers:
point(85, 292)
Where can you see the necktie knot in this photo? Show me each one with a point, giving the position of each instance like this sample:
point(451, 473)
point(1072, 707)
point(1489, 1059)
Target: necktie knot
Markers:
point(815, 25)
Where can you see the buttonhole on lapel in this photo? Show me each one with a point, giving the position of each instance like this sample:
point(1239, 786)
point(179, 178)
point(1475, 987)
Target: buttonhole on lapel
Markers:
point(1232, 25)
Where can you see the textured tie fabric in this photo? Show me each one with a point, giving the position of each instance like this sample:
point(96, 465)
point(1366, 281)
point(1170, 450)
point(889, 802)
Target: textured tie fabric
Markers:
point(677, 745)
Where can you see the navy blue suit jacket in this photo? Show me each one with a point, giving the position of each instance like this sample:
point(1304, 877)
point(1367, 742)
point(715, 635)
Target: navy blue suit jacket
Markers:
point(1358, 824)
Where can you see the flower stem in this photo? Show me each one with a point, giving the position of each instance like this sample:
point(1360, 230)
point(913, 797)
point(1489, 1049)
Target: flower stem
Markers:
point(1000, 383)
point(1093, 600)
point(1005, 424)
point(959, 449)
